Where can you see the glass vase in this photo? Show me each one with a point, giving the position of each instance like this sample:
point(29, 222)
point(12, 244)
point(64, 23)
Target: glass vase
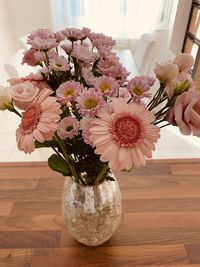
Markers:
point(91, 213)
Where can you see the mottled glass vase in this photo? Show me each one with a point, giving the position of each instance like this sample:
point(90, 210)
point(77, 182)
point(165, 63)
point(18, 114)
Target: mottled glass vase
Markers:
point(92, 213)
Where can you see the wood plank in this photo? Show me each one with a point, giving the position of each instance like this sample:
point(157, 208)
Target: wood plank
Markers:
point(159, 228)
point(34, 208)
point(109, 256)
point(13, 184)
point(186, 169)
point(5, 208)
point(15, 257)
point(29, 239)
point(161, 205)
point(193, 252)
point(28, 223)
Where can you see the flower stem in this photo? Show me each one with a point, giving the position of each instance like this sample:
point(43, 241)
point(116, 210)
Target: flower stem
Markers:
point(67, 158)
point(101, 173)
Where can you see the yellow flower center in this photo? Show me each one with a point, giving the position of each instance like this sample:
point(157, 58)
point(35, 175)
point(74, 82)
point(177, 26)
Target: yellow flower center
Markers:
point(137, 90)
point(58, 65)
point(68, 92)
point(105, 87)
point(69, 128)
point(90, 103)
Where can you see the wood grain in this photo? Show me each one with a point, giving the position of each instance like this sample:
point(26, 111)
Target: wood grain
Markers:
point(160, 224)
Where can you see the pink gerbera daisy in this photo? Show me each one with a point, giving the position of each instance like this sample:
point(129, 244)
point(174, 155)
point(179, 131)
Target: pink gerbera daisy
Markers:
point(68, 91)
point(107, 85)
point(90, 102)
point(68, 128)
point(38, 121)
point(126, 137)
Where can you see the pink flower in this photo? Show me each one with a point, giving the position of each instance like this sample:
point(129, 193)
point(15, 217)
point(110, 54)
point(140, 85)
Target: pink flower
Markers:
point(124, 93)
point(67, 48)
point(90, 102)
point(85, 125)
point(82, 53)
point(112, 69)
point(42, 56)
point(186, 113)
point(38, 121)
point(107, 85)
point(68, 91)
point(99, 39)
point(36, 79)
point(87, 75)
point(42, 39)
point(59, 64)
point(23, 94)
point(178, 85)
point(148, 79)
point(126, 137)
point(29, 57)
point(184, 62)
point(59, 36)
point(138, 88)
point(5, 98)
point(74, 34)
point(166, 72)
point(68, 128)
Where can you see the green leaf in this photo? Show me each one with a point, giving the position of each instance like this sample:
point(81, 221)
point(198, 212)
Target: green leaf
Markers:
point(39, 145)
point(110, 178)
point(58, 164)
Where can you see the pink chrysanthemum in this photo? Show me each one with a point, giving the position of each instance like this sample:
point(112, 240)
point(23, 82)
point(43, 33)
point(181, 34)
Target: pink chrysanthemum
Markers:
point(42, 39)
point(90, 102)
point(68, 128)
point(112, 68)
point(107, 85)
point(59, 64)
point(126, 137)
point(138, 88)
point(38, 121)
point(68, 91)
point(74, 34)
point(99, 39)
point(82, 53)
point(148, 79)
point(87, 75)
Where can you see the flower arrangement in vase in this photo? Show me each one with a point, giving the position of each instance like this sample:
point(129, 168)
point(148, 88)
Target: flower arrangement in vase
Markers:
point(80, 102)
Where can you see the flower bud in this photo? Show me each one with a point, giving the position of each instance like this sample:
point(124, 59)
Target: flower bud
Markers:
point(5, 99)
point(181, 87)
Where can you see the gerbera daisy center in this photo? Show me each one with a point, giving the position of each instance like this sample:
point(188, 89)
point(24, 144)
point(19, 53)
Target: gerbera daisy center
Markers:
point(30, 118)
point(197, 108)
point(90, 103)
point(126, 131)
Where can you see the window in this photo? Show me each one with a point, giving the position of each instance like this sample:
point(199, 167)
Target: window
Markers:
point(118, 18)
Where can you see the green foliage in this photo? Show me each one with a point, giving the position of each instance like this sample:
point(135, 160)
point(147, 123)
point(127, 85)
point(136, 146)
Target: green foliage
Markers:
point(58, 164)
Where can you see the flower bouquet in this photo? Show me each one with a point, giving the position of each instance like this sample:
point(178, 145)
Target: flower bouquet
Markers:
point(80, 102)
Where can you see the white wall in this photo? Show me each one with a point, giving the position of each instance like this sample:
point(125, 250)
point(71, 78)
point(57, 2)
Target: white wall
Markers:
point(28, 15)
point(180, 25)
point(6, 40)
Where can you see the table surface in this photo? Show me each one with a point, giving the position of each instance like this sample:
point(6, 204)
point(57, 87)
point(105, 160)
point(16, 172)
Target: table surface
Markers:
point(160, 224)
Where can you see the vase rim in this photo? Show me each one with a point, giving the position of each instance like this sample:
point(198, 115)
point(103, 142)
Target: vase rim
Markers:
point(85, 185)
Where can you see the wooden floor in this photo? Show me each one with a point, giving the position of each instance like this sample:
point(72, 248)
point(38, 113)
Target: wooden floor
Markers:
point(160, 224)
